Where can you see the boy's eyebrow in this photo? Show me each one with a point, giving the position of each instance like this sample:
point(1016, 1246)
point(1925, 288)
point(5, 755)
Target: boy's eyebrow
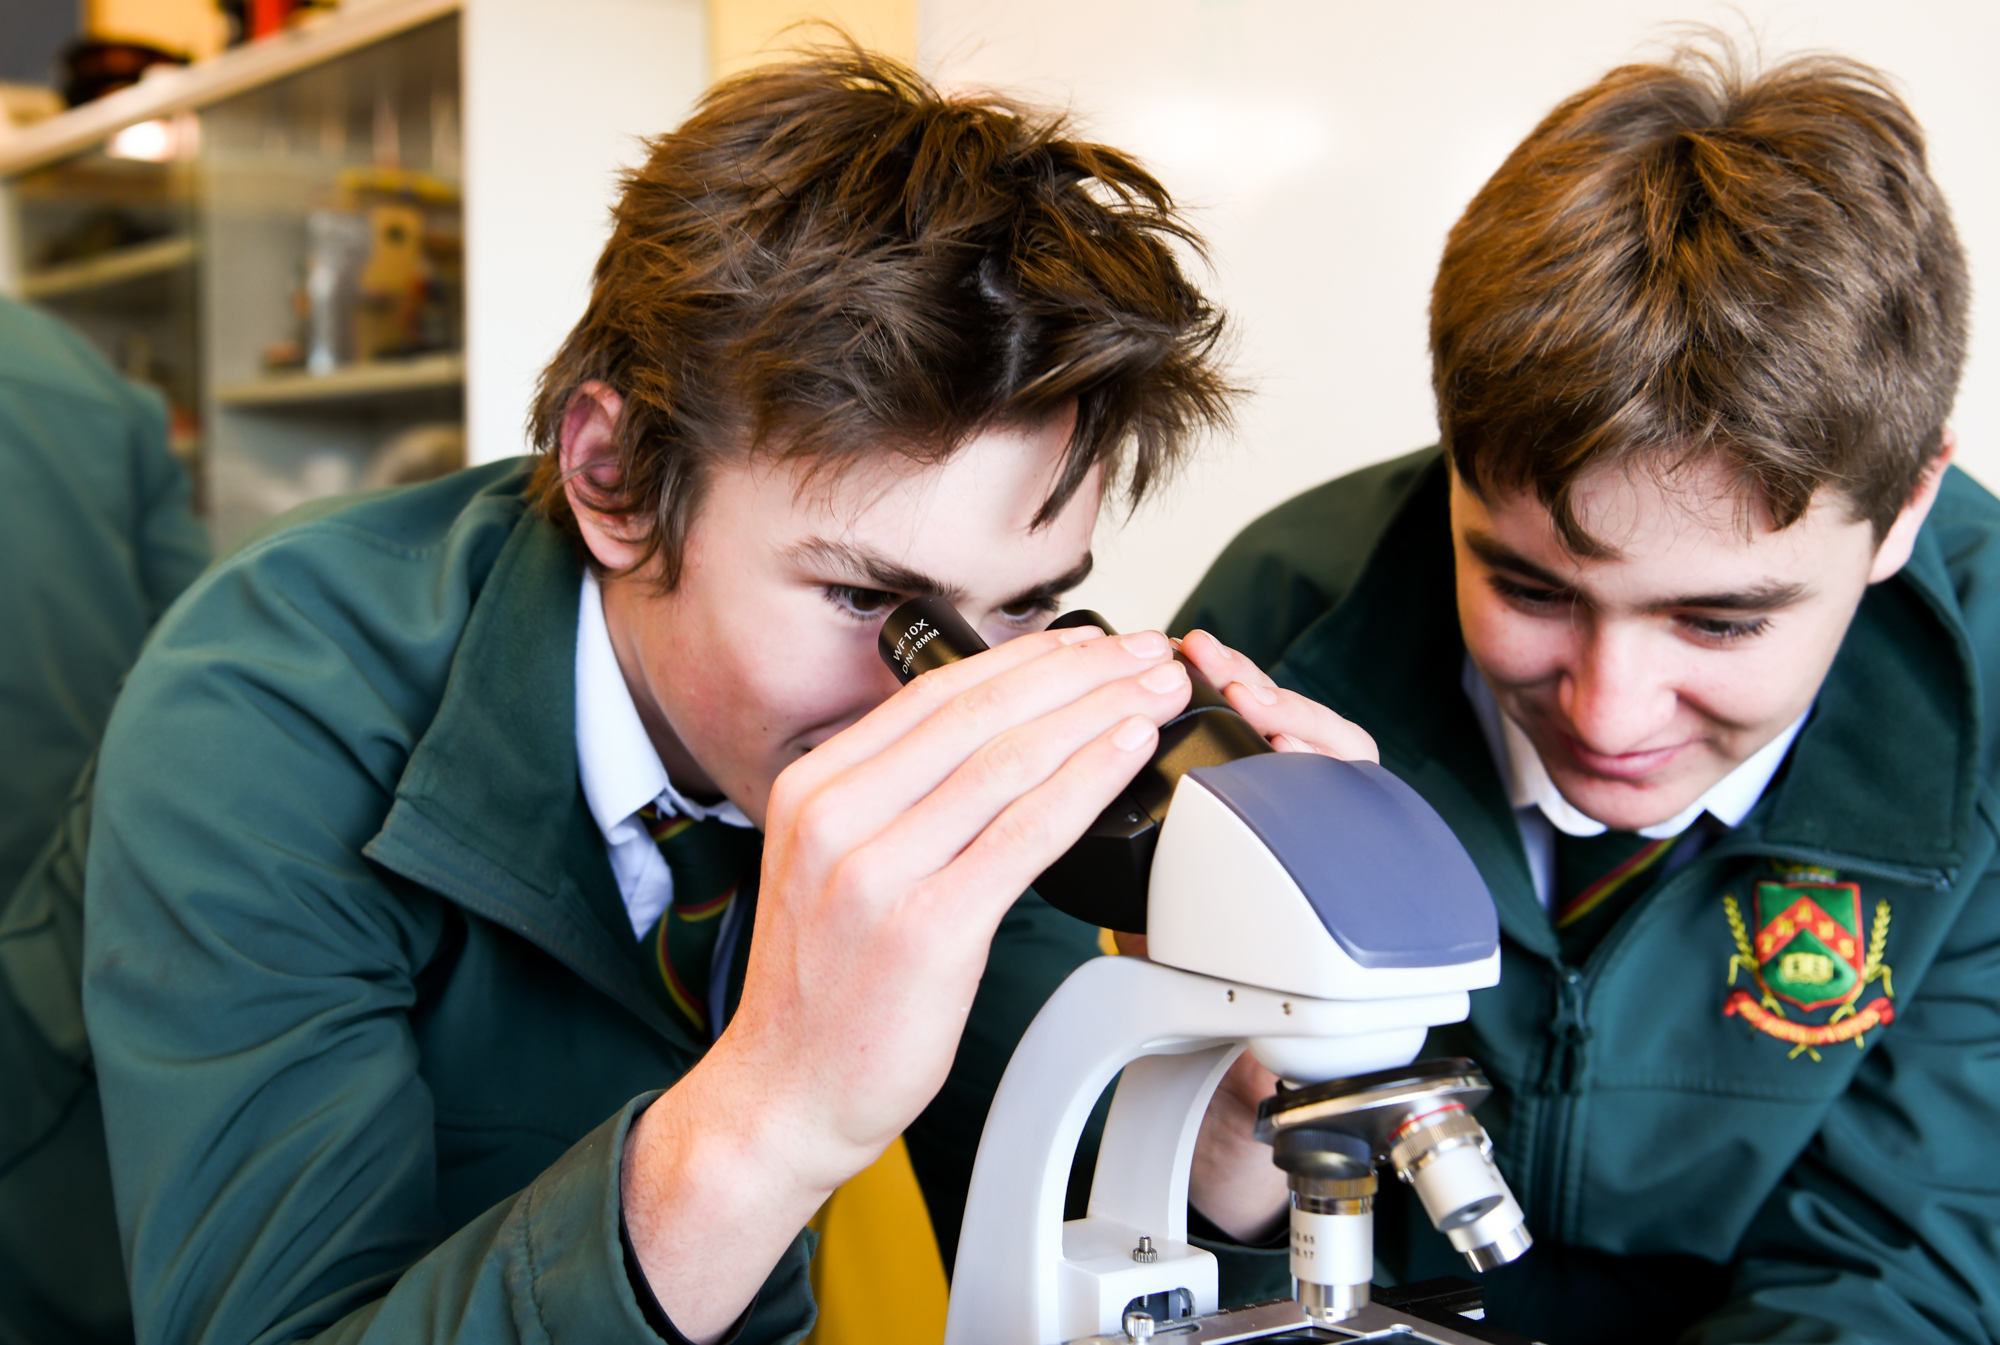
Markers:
point(876, 570)
point(1056, 587)
point(879, 571)
point(1500, 556)
point(1765, 597)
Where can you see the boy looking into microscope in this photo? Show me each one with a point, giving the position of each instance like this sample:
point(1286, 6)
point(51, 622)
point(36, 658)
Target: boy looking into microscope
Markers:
point(438, 832)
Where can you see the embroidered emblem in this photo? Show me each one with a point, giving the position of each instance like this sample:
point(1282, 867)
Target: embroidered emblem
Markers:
point(1813, 948)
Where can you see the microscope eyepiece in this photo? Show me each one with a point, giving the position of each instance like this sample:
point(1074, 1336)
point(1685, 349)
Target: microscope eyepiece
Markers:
point(1102, 879)
point(926, 633)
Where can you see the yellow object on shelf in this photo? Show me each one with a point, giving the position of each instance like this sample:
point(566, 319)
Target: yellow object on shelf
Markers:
point(877, 1274)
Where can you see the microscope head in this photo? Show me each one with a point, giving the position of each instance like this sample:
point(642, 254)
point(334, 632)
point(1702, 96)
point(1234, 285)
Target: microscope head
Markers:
point(1330, 879)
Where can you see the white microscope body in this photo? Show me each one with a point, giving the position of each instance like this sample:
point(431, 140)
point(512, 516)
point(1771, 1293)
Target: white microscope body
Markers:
point(1318, 914)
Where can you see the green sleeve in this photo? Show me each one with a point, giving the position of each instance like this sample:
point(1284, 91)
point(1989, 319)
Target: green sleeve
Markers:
point(1885, 1228)
point(95, 540)
point(61, 1276)
point(547, 1265)
point(248, 979)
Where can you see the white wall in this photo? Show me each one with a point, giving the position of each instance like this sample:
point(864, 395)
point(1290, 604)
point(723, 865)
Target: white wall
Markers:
point(1330, 145)
point(555, 98)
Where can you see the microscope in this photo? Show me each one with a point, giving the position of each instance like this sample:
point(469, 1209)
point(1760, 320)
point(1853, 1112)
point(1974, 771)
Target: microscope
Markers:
point(1315, 912)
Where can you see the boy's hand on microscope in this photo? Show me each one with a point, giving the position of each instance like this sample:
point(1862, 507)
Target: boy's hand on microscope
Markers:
point(892, 851)
point(1289, 722)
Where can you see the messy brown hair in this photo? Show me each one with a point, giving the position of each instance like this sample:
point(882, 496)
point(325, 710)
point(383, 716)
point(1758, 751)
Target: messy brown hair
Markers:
point(832, 257)
point(1690, 258)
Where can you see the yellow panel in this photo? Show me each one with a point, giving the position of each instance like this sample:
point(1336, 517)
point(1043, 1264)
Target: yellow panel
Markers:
point(191, 27)
point(877, 1274)
point(746, 33)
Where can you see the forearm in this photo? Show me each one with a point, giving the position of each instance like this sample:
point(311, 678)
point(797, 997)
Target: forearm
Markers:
point(715, 1188)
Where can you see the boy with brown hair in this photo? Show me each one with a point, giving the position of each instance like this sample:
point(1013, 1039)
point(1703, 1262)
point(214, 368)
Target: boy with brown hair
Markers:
point(426, 848)
point(1690, 631)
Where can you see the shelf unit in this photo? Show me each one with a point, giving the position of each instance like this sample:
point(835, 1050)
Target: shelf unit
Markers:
point(119, 266)
point(509, 120)
point(439, 372)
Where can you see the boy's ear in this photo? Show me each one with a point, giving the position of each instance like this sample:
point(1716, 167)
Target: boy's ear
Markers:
point(589, 448)
point(1894, 552)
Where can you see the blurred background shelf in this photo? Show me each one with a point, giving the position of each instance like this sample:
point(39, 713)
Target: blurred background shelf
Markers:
point(141, 261)
point(291, 201)
point(375, 379)
point(410, 193)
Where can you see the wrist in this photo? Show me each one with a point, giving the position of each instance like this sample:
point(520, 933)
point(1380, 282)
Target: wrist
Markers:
point(773, 1114)
point(721, 1145)
point(713, 1193)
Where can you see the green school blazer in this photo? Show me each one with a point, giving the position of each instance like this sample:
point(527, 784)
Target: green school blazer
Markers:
point(1766, 1106)
point(96, 539)
point(368, 1018)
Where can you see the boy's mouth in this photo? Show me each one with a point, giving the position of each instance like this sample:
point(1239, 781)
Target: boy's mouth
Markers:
point(1625, 767)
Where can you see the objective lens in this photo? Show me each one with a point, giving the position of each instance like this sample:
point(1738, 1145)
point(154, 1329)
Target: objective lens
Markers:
point(1332, 1180)
point(1447, 1156)
point(1333, 1245)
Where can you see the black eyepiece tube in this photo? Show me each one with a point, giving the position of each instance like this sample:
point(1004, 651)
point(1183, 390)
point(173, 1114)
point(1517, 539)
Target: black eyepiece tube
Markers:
point(1103, 878)
point(1082, 616)
point(926, 633)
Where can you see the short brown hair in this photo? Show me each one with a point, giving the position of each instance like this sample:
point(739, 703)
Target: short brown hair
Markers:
point(831, 257)
point(1687, 258)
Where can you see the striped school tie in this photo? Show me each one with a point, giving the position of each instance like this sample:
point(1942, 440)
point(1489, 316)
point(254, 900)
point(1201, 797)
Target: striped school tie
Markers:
point(1597, 879)
point(710, 861)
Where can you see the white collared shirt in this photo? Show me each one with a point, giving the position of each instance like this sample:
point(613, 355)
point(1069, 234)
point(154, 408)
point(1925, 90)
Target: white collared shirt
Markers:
point(1541, 810)
point(621, 771)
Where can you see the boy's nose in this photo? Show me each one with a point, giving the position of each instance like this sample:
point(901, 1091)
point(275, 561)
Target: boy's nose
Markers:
point(1616, 696)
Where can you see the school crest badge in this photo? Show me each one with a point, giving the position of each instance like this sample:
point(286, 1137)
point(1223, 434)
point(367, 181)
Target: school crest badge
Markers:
point(1815, 947)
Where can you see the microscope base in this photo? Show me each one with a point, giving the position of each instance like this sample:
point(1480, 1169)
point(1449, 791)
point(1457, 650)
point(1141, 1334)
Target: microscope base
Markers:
point(1282, 1322)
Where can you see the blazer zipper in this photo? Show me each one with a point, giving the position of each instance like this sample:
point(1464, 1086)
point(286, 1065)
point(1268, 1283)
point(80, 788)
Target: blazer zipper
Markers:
point(1565, 1064)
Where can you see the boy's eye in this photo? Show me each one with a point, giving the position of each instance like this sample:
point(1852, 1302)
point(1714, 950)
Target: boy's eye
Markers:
point(1715, 628)
point(1028, 609)
point(1525, 595)
point(860, 602)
